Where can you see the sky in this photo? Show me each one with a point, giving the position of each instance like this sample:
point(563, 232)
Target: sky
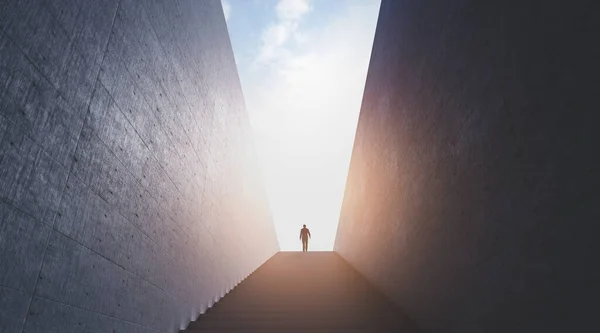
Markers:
point(303, 65)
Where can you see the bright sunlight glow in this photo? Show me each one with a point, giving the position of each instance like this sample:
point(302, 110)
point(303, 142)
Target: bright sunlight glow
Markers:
point(303, 67)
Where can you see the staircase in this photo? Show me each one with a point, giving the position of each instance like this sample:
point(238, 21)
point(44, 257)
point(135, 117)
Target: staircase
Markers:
point(295, 292)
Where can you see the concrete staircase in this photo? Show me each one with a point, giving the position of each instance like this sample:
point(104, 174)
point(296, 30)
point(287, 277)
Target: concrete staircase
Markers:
point(297, 292)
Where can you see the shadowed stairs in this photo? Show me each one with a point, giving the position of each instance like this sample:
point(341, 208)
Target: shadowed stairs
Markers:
point(297, 292)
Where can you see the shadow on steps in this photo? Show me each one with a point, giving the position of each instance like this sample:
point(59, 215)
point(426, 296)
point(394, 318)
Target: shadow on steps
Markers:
point(304, 291)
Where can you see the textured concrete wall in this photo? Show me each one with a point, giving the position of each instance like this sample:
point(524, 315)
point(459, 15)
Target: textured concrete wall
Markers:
point(129, 194)
point(472, 195)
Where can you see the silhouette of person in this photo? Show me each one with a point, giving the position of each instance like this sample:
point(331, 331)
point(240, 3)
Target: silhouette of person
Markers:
point(304, 236)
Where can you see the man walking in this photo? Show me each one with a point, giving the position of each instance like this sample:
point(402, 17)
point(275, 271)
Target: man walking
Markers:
point(304, 236)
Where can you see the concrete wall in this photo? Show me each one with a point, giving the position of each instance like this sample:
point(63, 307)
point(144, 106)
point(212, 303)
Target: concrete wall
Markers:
point(472, 195)
point(129, 194)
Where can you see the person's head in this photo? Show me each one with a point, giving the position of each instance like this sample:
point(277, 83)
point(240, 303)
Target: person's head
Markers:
point(304, 226)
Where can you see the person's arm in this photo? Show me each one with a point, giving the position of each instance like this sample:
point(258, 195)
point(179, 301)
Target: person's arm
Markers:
point(300, 234)
point(309, 236)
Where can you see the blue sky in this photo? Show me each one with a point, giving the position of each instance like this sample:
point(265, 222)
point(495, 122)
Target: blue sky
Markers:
point(302, 65)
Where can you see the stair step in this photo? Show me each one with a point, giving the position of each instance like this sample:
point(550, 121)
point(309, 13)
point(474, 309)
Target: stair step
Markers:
point(341, 330)
point(304, 310)
point(295, 323)
point(308, 316)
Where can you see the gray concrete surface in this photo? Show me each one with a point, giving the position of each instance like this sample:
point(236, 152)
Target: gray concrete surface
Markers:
point(472, 195)
point(130, 198)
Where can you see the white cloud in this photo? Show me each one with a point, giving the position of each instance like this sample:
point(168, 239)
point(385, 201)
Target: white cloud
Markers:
point(289, 15)
point(292, 9)
point(226, 9)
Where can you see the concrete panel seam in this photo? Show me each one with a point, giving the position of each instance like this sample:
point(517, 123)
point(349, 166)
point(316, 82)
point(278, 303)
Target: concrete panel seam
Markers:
point(140, 138)
point(33, 64)
point(14, 289)
point(170, 139)
point(47, 81)
point(76, 146)
point(110, 33)
point(66, 32)
point(152, 197)
point(116, 264)
point(96, 313)
point(135, 226)
point(153, 156)
point(71, 166)
point(179, 83)
point(47, 241)
point(54, 217)
point(34, 141)
point(152, 110)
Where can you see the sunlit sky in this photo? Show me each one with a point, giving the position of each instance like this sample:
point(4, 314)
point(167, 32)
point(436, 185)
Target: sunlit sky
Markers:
point(302, 65)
